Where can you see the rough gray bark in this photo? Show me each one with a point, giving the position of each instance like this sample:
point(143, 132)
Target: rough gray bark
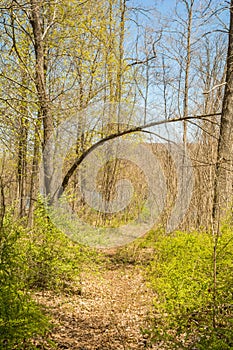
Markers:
point(224, 165)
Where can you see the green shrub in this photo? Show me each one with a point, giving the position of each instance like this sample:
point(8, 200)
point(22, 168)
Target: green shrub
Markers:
point(53, 260)
point(38, 258)
point(186, 302)
point(20, 318)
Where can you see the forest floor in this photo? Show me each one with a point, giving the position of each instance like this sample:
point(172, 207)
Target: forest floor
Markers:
point(109, 313)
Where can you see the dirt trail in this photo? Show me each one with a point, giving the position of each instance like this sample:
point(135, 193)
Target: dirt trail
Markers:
point(108, 315)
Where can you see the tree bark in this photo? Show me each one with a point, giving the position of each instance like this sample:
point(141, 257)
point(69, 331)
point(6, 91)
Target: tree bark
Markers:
point(22, 150)
point(189, 8)
point(2, 205)
point(34, 183)
point(224, 165)
point(40, 82)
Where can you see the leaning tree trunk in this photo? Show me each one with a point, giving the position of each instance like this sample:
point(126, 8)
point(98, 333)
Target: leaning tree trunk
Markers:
point(224, 165)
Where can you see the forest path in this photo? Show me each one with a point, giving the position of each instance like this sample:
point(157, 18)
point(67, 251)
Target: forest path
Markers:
point(113, 307)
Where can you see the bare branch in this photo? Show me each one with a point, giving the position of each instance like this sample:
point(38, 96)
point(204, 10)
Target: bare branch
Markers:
point(141, 61)
point(213, 88)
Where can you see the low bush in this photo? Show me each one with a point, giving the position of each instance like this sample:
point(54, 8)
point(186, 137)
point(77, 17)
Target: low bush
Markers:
point(53, 260)
point(34, 259)
point(190, 310)
point(21, 319)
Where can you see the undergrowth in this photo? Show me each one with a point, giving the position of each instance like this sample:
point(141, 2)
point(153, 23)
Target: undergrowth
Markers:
point(21, 319)
point(32, 259)
point(190, 312)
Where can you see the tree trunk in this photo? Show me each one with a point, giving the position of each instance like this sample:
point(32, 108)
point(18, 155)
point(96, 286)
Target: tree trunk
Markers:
point(22, 150)
point(40, 81)
point(189, 8)
point(34, 183)
point(224, 164)
point(2, 205)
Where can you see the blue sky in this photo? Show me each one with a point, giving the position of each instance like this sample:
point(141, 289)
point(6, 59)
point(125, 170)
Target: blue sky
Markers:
point(166, 6)
point(162, 5)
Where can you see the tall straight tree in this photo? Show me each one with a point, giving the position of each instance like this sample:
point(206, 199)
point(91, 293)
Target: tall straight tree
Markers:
point(224, 164)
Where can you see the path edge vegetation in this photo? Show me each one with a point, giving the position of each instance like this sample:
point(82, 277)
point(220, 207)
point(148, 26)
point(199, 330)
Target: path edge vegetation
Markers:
point(29, 257)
